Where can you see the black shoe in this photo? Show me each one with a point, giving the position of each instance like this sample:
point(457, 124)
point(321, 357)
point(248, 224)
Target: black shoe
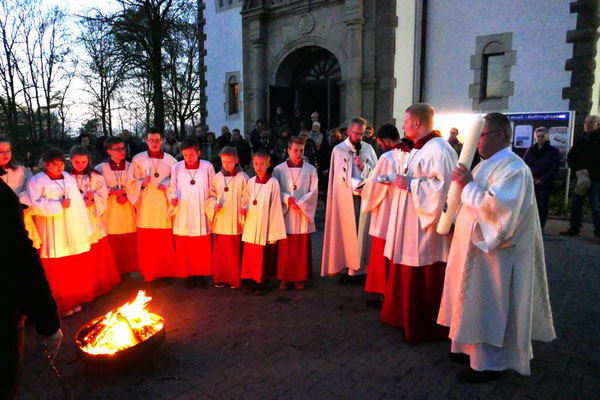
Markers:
point(374, 303)
point(250, 287)
point(459, 358)
point(569, 232)
point(262, 289)
point(472, 376)
point(345, 279)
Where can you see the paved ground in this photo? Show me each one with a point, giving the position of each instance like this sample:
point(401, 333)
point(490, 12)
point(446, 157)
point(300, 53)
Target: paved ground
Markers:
point(323, 343)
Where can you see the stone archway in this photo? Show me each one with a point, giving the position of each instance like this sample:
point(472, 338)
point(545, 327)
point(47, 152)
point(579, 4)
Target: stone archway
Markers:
point(306, 80)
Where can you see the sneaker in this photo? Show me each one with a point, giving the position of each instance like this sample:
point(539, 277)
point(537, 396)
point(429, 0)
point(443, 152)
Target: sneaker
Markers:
point(284, 285)
point(234, 287)
point(569, 232)
point(219, 285)
point(77, 309)
point(67, 313)
point(299, 285)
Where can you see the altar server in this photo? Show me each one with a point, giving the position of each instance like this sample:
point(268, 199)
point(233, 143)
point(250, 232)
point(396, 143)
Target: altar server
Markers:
point(64, 227)
point(346, 235)
point(148, 180)
point(190, 187)
point(224, 210)
point(417, 251)
point(495, 297)
point(16, 178)
point(298, 182)
point(377, 200)
point(119, 217)
point(264, 224)
point(103, 270)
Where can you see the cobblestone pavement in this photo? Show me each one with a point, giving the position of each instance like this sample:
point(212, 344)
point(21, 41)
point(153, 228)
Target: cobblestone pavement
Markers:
point(323, 343)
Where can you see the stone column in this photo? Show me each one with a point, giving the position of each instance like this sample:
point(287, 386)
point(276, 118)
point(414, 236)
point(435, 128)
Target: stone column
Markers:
point(353, 10)
point(259, 82)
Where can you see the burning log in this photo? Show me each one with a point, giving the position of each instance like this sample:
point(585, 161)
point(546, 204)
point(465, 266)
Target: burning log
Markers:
point(130, 329)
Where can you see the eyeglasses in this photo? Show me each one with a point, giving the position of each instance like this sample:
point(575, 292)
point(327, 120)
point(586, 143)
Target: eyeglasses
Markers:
point(488, 132)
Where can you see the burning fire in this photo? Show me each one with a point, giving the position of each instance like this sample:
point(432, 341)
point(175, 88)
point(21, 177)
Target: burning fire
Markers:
point(129, 325)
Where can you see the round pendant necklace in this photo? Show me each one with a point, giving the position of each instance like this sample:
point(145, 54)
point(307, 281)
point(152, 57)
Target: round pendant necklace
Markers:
point(156, 174)
point(295, 179)
point(193, 177)
point(255, 202)
point(226, 183)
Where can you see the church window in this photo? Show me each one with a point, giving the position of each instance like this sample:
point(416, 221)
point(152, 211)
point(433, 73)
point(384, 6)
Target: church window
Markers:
point(223, 5)
point(232, 91)
point(233, 96)
point(491, 64)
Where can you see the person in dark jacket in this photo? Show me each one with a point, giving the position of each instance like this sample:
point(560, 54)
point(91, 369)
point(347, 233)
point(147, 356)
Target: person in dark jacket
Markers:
point(242, 147)
point(24, 291)
point(310, 148)
point(584, 159)
point(543, 161)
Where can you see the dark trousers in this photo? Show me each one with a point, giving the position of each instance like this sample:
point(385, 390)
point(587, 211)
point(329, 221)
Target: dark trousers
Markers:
point(11, 354)
point(577, 207)
point(542, 198)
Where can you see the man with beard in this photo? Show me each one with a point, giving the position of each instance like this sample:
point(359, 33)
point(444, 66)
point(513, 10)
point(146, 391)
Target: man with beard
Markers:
point(346, 239)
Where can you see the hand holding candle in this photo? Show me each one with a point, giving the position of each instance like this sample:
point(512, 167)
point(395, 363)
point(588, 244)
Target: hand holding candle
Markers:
point(453, 199)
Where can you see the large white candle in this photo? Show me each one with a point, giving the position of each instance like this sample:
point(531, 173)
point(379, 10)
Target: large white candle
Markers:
point(453, 199)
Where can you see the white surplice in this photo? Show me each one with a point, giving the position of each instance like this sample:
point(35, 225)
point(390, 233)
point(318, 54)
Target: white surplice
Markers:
point(495, 298)
point(118, 218)
point(17, 179)
point(264, 220)
point(346, 243)
point(376, 196)
point(306, 193)
point(412, 239)
point(229, 219)
point(190, 214)
point(94, 183)
point(63, 232)
point(151, 202)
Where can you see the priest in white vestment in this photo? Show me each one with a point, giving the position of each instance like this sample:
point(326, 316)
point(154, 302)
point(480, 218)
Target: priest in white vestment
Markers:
point(495, 298)
point(377, 200)
point(417, 252)
point(346, 235)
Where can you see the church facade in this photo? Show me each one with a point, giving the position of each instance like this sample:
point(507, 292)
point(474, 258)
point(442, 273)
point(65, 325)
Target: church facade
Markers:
point(371, 58)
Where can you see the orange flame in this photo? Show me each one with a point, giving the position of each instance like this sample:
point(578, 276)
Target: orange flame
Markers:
point(129, 325)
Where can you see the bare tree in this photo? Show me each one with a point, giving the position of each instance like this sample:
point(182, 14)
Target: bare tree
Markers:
point(182, 54)
point(142, 26)
point(105, 68)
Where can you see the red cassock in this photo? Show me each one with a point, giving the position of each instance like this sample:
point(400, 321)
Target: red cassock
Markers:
point(379, 265)
point(294, 258)
point(104, 273)
point(155, 253)
point(412, 301)
point(259, 262)
point(193, 256)
point(124, 247)
point(227, 259)
point(69, 279)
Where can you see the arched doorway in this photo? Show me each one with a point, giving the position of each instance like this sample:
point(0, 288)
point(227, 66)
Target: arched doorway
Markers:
point(306, 81)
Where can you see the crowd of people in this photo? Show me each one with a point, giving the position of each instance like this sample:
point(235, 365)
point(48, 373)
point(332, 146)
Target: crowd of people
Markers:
point(190, 210)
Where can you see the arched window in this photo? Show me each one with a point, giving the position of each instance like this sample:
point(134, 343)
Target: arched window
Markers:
point(233, 96)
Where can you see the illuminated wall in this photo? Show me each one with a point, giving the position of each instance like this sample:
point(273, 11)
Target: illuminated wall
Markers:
point(539, 39)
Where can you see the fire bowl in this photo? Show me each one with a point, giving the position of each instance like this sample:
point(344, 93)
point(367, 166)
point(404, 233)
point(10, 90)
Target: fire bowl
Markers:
point(138, 353)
